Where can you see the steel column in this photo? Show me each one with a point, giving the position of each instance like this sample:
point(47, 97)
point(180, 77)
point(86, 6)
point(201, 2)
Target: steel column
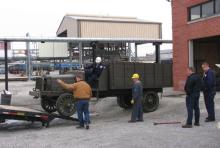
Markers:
point(136, 54)
point(129, 51)
point(157, 52)
point(6, 64)
point(80, 54)
point(28, 67)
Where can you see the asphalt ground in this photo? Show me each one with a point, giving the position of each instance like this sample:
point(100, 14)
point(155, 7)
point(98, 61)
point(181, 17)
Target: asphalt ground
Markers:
point(109, 128)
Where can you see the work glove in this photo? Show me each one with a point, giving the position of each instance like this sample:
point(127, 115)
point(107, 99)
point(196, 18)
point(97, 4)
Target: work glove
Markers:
point(132, 101)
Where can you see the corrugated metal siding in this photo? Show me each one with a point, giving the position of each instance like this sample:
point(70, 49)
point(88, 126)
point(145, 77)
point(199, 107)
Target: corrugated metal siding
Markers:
point(53, 50)
point(70, 25)
point(98, 29)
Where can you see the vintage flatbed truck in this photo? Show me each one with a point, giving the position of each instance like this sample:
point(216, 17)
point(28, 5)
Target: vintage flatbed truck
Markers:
point(115, 80)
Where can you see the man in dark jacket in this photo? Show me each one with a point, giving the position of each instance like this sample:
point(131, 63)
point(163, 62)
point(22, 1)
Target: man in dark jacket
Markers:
point(137, 95)
point(209, 91)
point(94, 70)
point(192, 89)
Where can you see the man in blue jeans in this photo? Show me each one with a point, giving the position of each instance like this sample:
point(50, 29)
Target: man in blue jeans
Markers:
point(82, 93)
point(192, 89)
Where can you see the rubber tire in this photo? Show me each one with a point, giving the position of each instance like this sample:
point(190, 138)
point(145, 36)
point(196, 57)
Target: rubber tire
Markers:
point(152, 98)
point(70, 104)
point(124, 102)
point(48, 104)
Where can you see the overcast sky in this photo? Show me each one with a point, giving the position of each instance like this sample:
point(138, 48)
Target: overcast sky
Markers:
point(42, 17)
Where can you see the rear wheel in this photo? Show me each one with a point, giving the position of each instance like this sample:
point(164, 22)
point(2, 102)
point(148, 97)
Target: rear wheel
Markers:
point(48, 104)
point(66, 105)
point(150, 101)
point(124, 102)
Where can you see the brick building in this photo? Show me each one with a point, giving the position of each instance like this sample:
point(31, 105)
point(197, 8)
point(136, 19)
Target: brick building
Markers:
point(196, 36)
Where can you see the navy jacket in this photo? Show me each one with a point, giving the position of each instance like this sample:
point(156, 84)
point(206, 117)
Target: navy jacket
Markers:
point(137, 91)
point(209, 81)
point(193, 84)
point(96, 68)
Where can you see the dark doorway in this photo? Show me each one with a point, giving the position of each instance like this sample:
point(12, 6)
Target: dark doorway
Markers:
point(207, 49)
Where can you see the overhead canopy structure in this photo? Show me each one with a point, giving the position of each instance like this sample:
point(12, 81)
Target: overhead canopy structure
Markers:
point(84, 40)
point(79, 41)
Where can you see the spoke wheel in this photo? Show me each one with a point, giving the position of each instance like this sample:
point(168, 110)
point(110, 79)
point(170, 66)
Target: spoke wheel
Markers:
point(150, 101)
point(66, 105)
point(48, 104)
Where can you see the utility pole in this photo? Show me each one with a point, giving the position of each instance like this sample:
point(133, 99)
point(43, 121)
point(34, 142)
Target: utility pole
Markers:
point(28, 63)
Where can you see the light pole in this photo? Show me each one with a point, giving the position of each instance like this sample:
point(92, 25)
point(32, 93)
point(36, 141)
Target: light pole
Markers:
point(28, 67)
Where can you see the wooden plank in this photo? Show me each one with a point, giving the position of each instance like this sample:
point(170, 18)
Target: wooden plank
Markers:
point(18, 108)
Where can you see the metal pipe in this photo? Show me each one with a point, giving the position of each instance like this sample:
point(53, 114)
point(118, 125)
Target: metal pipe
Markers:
point(6, 64)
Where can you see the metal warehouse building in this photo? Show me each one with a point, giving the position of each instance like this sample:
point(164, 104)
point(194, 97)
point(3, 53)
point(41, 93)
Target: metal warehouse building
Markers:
point(108, 27)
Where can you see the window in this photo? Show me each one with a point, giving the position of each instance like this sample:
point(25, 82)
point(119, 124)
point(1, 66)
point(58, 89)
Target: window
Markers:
point(203, 10)
point(207, 9)
point(217, 6)
point(195, 13)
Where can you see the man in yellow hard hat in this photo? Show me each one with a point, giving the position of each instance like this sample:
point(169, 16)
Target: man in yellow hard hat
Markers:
point(137, 95)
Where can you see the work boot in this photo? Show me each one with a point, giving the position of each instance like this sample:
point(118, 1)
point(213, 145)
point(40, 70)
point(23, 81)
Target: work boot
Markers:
point(140, 120)
point(87, 127)
point(131, 121)
point(80, 127)
point(187, 126)
point(209, 120)
point(196, 124)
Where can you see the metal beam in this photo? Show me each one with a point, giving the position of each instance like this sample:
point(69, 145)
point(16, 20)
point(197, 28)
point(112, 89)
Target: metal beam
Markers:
point(6, 64)
point(83, 40)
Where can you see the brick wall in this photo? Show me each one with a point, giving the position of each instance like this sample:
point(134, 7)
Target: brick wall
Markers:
point(183, 32)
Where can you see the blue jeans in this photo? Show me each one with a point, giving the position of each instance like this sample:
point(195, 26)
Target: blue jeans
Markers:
point(192, 103)
point(210, 104)
point(82, 107)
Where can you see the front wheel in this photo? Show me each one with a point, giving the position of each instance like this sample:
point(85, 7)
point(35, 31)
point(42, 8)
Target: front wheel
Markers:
point(48, 104)
point(66, 105)
point(150, 101)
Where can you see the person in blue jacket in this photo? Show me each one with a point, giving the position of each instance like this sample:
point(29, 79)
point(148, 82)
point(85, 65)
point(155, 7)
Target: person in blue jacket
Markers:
point(94, 70)
point(209, 91)
point(137, 95)
point(192, 89)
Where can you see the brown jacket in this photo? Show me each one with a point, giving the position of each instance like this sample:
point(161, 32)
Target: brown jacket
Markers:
point(81, 89)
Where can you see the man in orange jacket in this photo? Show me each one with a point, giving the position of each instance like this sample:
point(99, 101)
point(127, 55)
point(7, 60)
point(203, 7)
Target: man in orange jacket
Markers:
point(82, 93)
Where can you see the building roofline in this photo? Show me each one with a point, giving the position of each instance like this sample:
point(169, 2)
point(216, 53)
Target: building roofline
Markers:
point(97, 18)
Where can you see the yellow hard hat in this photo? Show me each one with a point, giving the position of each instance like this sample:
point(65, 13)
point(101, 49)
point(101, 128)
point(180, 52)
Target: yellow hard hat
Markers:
point(135, 76)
